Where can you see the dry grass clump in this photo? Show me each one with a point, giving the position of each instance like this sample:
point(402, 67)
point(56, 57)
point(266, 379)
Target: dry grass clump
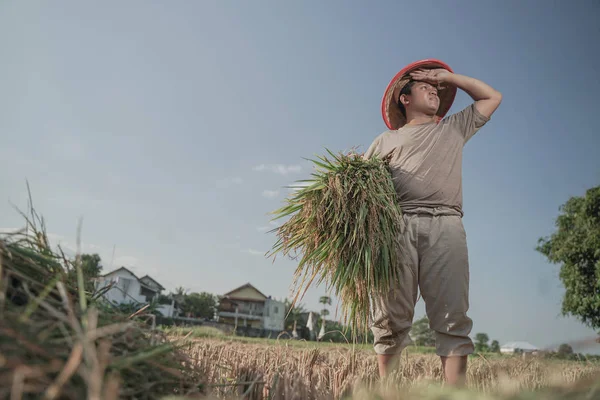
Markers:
point(345, 225)
point(256, 371)
point(59, 342)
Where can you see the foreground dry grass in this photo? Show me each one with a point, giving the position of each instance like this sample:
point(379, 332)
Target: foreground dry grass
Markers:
point(282, 371)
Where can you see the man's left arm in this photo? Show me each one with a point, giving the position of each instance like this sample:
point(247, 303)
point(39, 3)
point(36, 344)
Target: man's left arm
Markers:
point(487, 99)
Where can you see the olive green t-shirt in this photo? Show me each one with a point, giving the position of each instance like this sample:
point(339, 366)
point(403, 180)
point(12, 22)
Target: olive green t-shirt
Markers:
point(426, 160)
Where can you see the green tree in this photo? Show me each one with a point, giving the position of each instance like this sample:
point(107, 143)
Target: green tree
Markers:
point(200, 305)
point(326, 301)
point(294, 315)
point(336, 333)
point(179, 296)
point(575, 245)
point(164, 299)
point(91, 266)
point(180, 293)
point(495, 347)
point(421, 334)
point(565, 350)
point(481, 342)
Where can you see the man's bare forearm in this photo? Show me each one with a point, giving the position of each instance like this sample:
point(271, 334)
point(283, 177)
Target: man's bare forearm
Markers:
point(475, 88)
point(487, 99)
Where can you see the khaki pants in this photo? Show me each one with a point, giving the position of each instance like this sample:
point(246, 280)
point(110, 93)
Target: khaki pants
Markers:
point(434, 250)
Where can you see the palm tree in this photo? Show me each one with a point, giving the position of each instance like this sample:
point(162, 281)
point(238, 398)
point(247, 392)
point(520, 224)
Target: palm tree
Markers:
point(180, 291)
point(325, 300)
point(293, 315)
point(179, 297)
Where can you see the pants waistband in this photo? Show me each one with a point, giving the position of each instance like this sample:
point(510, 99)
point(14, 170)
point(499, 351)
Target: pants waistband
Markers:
point(433, 211)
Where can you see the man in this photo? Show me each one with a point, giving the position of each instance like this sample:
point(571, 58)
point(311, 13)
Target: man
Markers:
point(426, 162)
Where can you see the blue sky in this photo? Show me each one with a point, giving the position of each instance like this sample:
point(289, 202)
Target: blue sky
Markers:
point(173, 128)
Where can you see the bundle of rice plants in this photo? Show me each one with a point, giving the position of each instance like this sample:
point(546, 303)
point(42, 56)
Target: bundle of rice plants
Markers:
point(344, 226)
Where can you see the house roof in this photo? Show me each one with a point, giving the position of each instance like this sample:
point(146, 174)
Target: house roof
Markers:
point(118, 269)
point(519, 345)
point(135, 276)
point(153, 280)
point(247, 285)
point(234, 300)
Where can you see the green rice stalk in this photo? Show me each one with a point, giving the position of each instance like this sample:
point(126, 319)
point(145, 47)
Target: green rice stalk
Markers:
point(345, 224)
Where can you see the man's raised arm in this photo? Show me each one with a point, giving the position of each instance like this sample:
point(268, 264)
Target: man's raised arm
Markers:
point(487, 99)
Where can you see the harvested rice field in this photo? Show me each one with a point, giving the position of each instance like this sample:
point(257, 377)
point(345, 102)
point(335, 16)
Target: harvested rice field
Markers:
point(256, 369)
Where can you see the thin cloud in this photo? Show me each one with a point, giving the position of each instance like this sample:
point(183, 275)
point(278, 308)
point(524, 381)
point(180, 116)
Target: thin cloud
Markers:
point(12, 230)
point(269, 194)
point(272, 225)
point(296, 186)
point(93, 247)
point(280, 169)
point(255, 252)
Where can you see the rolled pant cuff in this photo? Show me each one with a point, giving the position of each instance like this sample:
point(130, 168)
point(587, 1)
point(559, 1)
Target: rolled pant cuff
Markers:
point(459, 351)
point(390, 350)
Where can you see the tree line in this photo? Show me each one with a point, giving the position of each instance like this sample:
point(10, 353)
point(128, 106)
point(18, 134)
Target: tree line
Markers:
point(204, 305)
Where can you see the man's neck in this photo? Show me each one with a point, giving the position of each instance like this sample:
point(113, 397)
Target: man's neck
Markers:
point(420, 119)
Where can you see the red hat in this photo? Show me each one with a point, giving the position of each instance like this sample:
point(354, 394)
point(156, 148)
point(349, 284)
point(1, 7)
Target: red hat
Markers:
point(392, 116)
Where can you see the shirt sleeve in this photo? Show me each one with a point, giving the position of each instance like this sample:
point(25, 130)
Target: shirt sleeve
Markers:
point(468, 121)
point(374, 149)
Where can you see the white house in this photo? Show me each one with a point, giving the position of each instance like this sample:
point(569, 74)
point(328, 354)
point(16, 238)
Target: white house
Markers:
point(518, 347)
point(150, 287)
point(249, 307)
point(128, 288)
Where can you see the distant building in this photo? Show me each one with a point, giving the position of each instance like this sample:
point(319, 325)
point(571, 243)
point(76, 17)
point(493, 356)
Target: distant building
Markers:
point(518, 348)
point(127, 288)
point(246, 306)
point(150, 288)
